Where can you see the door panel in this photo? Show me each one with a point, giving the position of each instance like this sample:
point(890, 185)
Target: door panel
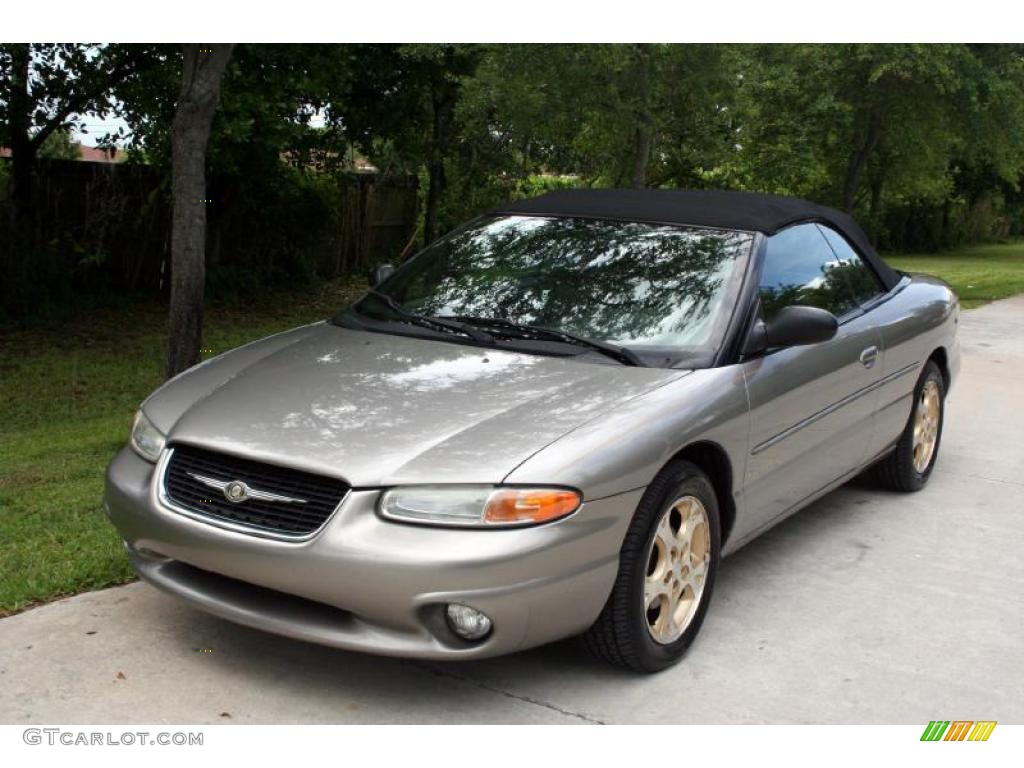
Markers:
point(811, 416)
point(811, 407)
point(899, 323)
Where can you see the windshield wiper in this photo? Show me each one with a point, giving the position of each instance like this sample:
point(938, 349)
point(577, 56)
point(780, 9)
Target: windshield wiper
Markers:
point(622, 354)
point(451, 326)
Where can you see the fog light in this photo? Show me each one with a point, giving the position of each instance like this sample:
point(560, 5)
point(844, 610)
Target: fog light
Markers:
point(468, 623)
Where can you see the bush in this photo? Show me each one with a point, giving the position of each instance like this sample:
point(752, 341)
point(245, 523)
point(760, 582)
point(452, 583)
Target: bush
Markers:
point(102, 232)
point(929, 226)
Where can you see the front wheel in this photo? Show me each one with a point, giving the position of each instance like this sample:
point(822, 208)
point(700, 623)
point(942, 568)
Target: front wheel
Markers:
point(910, 465)
point(667, 569)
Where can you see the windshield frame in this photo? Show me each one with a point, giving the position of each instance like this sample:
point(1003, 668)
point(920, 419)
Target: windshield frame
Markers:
point(720, 338)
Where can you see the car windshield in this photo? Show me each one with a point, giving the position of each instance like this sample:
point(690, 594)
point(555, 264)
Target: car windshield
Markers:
point(657, 290)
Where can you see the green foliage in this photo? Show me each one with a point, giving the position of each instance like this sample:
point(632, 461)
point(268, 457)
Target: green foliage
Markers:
point(890, 131)
point(269, 96)
point(280, 221)
point(67, 82)
point(922, 142)
point(59, 146)
point(576, 108)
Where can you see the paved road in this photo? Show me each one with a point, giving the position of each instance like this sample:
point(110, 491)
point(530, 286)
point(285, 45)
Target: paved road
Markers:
point(867, 607)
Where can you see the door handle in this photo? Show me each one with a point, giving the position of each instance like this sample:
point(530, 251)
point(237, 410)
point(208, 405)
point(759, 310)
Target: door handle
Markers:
point(868, 356)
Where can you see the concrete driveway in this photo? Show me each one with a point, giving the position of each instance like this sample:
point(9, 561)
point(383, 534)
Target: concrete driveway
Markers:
point(867, 607)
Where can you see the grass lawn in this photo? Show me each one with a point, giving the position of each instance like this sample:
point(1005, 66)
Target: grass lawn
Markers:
point(978, 273)
point(67, 395)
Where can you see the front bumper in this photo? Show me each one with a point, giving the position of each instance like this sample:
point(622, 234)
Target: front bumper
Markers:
point(366, 584)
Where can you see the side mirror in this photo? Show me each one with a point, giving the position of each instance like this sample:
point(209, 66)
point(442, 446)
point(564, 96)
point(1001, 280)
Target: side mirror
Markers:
point(380, 273)
point(793, 327)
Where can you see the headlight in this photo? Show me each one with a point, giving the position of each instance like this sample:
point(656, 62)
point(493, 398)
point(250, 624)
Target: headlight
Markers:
point(484, 506)
point(146, 439)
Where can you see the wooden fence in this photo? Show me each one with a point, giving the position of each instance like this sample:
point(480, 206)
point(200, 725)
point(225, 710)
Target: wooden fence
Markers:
point(103, 227)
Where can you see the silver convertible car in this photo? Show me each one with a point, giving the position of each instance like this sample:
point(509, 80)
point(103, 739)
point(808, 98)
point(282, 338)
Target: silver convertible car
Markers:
point(554, 421)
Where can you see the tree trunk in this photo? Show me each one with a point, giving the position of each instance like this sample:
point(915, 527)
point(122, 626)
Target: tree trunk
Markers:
point(22, 149)
point(202, 69)
point(875, 207)
point(641, 154)
point(642, 131)
point(435, 189)
point(876, 196)
point(24, 108)
point(443, 97)
point(859, 159)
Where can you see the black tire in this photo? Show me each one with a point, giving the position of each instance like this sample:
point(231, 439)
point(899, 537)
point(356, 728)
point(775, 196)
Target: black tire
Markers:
point(896, 471)
point(620, 636)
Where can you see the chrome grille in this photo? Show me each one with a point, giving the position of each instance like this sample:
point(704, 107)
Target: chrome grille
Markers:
point(278, 501)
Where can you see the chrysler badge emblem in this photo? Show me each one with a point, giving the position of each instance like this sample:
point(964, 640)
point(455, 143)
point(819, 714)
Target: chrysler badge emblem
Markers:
point(236, 492)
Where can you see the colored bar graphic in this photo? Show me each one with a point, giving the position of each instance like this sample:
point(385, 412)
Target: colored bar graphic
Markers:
point(934, 730)
point(959, 730)
point(982, 730)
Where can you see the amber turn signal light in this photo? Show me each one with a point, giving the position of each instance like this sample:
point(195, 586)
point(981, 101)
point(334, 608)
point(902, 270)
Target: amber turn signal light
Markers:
point(508, 506)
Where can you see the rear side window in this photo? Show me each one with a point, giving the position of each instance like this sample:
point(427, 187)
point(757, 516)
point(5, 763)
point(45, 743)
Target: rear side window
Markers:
point(802, 268)
point(863, 281)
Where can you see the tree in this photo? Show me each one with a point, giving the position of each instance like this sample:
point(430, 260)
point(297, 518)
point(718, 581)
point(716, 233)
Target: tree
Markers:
point(59, 146)
point(203, 66)
point(990, 154)
point(403, 103)
point(619, 115)
point(878, 117)
point(898, 98)
point(640, 68)
point(47, 87)
point(268, 96)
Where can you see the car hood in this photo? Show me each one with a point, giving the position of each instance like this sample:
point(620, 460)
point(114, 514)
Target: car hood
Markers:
point(378, 409)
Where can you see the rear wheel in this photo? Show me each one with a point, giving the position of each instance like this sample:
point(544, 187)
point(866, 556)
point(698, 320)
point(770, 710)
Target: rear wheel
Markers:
point(667, 568)
point(910, 465)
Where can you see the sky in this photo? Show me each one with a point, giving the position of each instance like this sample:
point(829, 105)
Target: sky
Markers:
point(97, 127)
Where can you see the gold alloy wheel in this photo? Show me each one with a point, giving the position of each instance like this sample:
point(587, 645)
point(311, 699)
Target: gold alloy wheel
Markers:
point(926, 425)
point(677, 567)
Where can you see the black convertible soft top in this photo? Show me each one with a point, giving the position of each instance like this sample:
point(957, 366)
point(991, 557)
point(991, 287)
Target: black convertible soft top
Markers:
point(749, 211)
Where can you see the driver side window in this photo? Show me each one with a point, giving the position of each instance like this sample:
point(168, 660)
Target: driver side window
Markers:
point(801, 268)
